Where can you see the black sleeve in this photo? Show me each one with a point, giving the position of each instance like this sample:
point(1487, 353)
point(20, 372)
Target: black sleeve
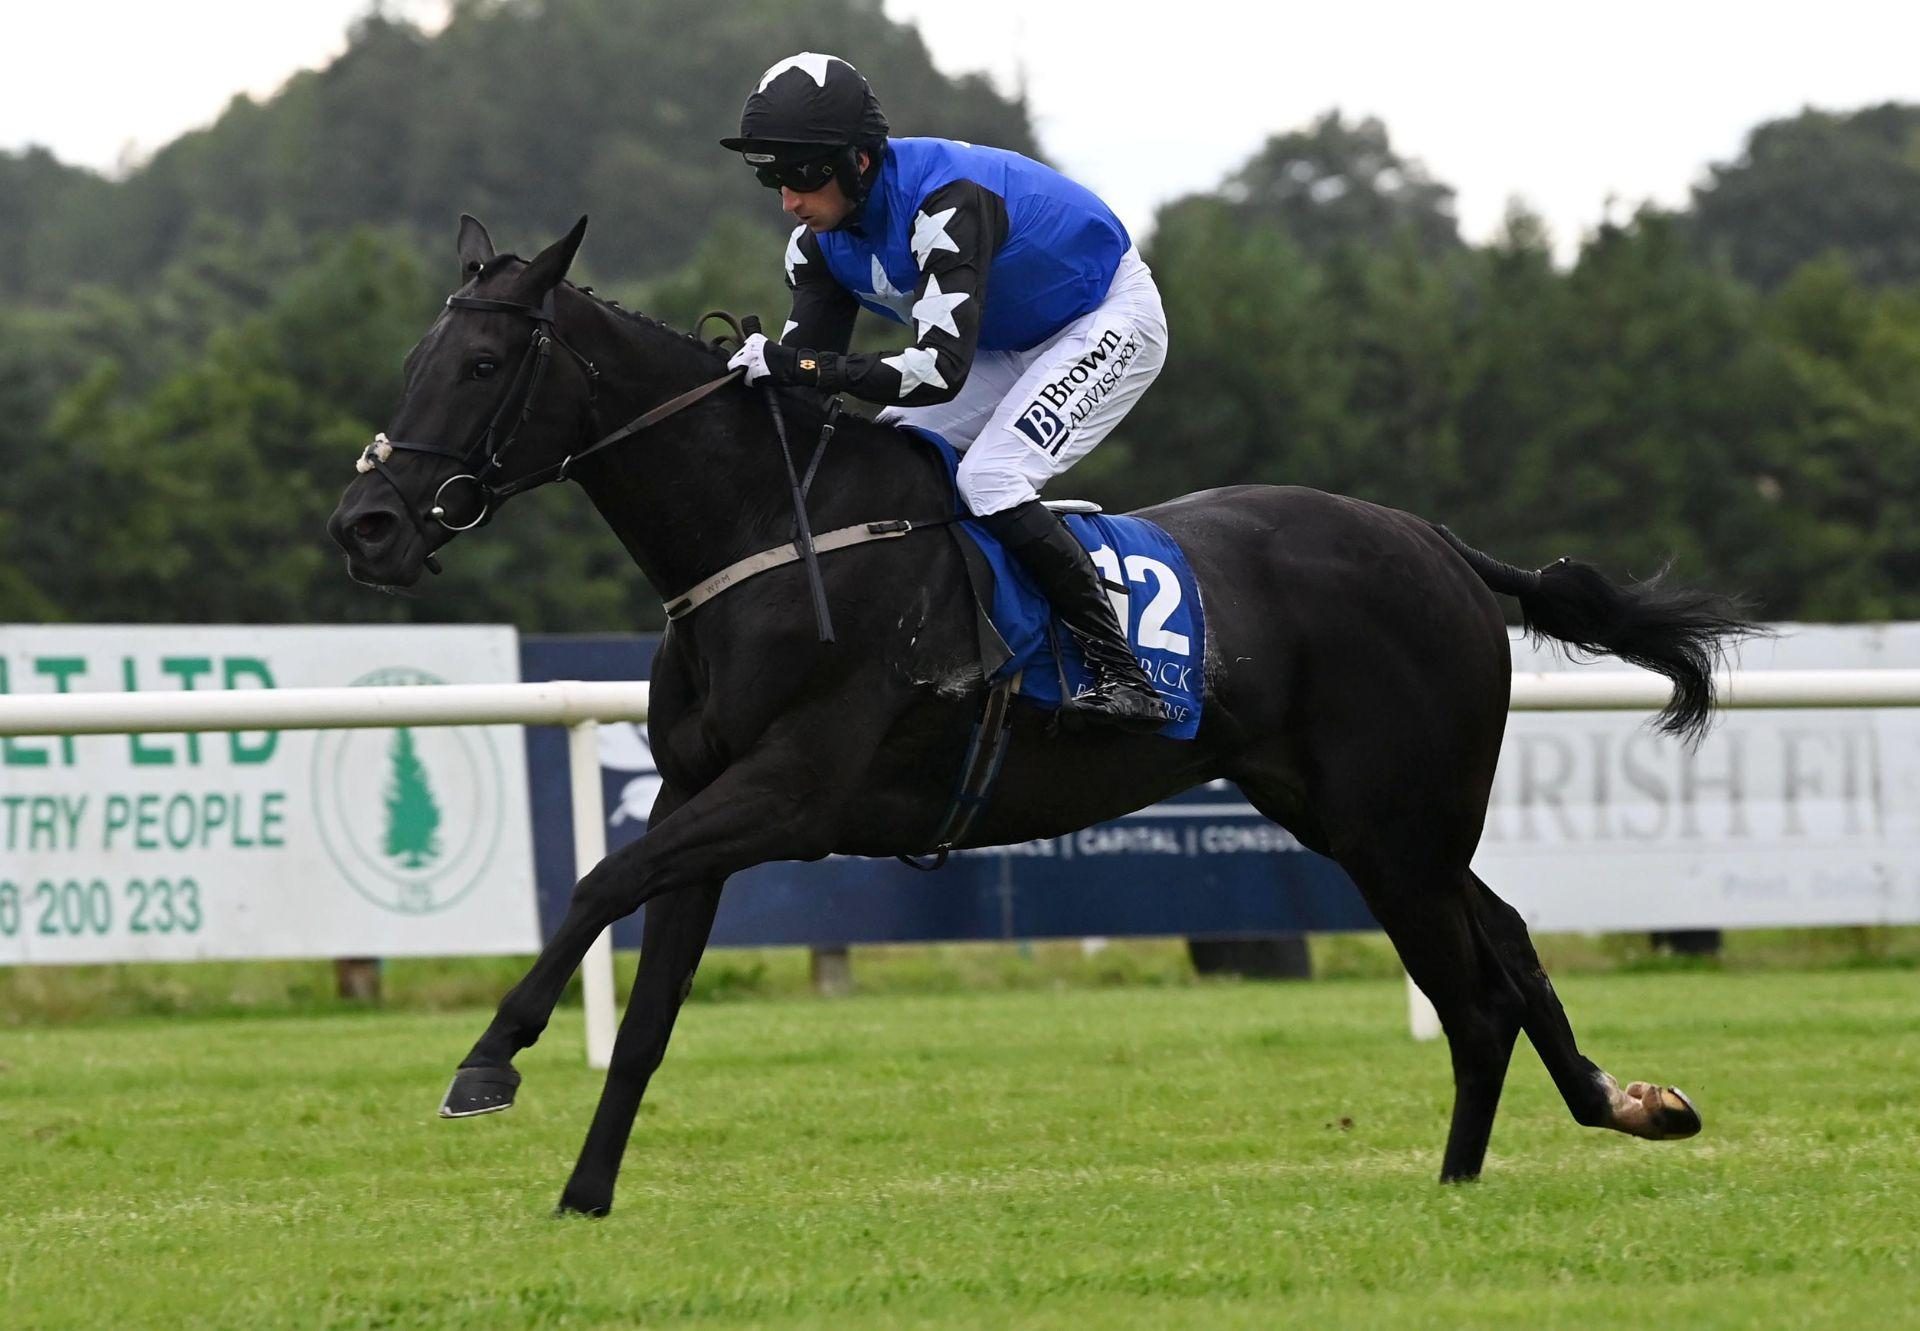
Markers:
point(957, 230)
point(823, 310)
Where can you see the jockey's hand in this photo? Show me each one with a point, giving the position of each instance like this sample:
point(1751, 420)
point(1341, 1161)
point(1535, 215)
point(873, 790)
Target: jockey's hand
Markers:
point(752, 357)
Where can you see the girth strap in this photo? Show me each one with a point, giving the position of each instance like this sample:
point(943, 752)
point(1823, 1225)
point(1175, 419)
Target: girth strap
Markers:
point(985, 749)
point(754, 565)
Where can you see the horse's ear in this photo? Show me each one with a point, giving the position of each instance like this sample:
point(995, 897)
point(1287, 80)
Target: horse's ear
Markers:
point(475, 246)
point(551, 264)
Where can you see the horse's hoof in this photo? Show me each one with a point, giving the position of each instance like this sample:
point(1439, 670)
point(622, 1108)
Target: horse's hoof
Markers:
point(476, 1091)
point(1669, 1114)
point(571, 1206)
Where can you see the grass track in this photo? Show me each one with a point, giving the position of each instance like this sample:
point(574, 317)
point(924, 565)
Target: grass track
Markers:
point(1169, 1157)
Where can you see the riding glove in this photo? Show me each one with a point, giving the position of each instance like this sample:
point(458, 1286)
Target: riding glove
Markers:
point(752, 357)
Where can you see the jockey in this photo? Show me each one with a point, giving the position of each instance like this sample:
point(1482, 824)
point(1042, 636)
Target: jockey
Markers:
point(1035, 323)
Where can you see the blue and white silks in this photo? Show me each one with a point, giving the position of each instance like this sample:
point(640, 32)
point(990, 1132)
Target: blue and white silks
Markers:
point(1062, 248)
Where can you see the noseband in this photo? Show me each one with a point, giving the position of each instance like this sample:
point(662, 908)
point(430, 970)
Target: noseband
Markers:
point(483, 459)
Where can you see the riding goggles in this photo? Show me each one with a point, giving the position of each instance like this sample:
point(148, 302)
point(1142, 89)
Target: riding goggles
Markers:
point(802, 176)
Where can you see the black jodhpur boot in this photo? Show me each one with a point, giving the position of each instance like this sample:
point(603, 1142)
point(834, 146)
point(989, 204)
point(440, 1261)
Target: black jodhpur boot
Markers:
point(1120, 694)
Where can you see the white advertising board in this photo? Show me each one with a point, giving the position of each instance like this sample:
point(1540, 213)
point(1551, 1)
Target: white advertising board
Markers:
point(1790, 817)
point(409, 841)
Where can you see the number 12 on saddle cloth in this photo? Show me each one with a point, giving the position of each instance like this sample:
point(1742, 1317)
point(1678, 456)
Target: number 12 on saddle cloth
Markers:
point(1160, 611)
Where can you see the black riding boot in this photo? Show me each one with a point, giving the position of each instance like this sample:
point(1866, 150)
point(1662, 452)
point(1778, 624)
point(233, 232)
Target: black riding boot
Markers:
point(1120, 695)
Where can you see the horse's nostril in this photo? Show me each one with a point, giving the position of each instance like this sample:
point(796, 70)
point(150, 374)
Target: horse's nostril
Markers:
point(372, 528)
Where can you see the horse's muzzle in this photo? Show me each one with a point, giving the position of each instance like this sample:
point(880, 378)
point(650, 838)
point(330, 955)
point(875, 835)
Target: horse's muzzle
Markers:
point(381, 547)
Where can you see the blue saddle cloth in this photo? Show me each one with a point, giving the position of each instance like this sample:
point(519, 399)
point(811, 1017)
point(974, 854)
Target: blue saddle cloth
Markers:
point(1160, 609)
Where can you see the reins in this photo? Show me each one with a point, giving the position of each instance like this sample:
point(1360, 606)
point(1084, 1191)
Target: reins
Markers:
point(671, 407)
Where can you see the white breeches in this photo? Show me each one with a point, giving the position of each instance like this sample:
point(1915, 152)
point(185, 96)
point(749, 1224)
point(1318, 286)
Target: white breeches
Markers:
point(1023, 417)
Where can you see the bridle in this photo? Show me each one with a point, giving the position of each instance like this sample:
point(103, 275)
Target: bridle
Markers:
point(483, 459)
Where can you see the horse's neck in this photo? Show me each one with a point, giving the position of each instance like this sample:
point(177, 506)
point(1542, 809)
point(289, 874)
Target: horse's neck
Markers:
point(707, 486)
point(679, 494)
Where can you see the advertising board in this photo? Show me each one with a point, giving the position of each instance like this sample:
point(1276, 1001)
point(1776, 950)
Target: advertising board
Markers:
point(378, 842)
point(1779, 817)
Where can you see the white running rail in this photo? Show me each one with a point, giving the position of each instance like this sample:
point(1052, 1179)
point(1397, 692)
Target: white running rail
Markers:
point(557, 703)
point(581, 706)
point(1639, 691)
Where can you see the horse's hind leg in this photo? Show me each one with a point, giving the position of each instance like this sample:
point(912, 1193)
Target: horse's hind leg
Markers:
point(1432, 926)
point(1428, 915)
point(1596, 1100)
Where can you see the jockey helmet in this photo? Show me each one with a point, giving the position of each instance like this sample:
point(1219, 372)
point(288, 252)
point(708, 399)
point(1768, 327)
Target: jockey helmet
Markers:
point(806, 123)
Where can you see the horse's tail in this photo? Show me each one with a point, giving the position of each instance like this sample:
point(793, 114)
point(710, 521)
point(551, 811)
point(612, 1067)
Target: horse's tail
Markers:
point(1673, 631)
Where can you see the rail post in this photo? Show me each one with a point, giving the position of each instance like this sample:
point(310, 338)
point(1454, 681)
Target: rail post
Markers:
point(589, 848)
point(1422, 1020)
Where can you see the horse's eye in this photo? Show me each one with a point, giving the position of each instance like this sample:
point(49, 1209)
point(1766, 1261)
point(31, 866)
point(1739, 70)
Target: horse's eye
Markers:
point(483, 369)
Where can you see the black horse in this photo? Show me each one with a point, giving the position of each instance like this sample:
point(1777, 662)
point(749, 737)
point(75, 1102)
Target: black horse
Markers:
point(1356, 676)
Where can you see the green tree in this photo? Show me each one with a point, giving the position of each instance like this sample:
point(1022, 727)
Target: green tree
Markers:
point(1340, 182)
point(176, 427)
point(413, 817)
point(207, 343)
point(1254, 382)
point(1848, 438)
point(52, 221)
point(737, 268)
point(1641, 436)
point(205, 495)
point(1815, 183)
point(524, 112)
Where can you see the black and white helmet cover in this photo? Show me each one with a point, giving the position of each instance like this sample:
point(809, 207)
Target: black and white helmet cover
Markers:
point(810, 100)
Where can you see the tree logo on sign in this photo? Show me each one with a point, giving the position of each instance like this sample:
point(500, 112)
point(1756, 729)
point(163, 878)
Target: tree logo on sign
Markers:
point(413, 819)
point(410, 816)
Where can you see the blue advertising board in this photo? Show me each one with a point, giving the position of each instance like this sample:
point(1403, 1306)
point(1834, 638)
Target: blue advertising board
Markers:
point(1203, 864)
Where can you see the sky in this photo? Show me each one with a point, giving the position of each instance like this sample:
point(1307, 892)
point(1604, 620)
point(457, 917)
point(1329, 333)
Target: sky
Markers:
point(1573, 106)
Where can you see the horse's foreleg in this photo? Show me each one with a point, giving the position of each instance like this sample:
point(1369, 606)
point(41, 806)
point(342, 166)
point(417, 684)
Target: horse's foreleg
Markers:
point(678, 924)
point(1595, 1099)
point(783, 801)
point(486, 1081)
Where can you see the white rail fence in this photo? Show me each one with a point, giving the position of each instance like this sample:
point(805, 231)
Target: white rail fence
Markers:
point(578, 705)
point(581, 706)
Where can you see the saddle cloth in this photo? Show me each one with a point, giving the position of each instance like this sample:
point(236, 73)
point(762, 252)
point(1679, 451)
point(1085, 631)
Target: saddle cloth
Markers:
point(1160, 609)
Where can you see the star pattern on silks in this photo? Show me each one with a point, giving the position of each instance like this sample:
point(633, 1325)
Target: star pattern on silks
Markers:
point(887, 294)
point(812, 63)
point(930, 234)
point(935, 309)
point(794, 255)
point(790, 326)
point(916, 367)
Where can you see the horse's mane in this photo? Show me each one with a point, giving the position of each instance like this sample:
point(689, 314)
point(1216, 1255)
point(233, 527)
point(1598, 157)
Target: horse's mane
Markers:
point(805, 409)
point(715, 353)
